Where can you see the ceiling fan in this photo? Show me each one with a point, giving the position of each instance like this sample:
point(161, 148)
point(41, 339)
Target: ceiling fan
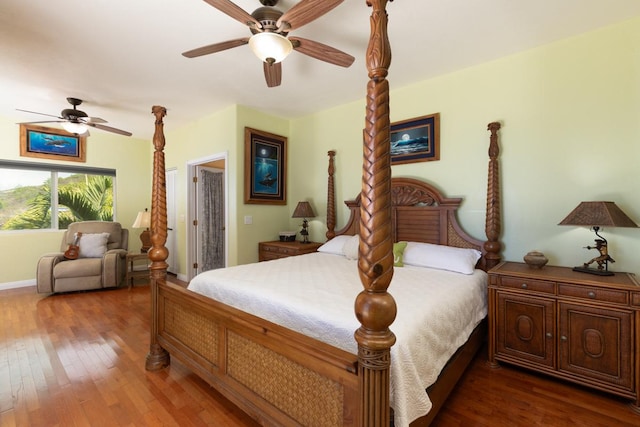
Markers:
point(270, 28)
point(76, 121)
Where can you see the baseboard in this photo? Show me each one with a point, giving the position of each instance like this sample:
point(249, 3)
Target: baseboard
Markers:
point(182, 277)
point(20, 284)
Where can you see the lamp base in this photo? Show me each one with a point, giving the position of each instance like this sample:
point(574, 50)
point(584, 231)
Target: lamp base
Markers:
point(594, 271)
point(145, 238)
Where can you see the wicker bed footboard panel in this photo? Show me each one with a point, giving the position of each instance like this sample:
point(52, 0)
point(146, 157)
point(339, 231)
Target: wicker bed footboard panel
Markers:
point(276, 375)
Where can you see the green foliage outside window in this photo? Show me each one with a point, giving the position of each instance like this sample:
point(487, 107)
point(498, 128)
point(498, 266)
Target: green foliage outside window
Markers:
point(80, 198)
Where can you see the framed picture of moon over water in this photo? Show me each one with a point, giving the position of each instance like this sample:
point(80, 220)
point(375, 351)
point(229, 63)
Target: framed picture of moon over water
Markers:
point(416, 140)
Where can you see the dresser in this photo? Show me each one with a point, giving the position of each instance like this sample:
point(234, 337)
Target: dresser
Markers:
point(575, 326)
point(277, 249)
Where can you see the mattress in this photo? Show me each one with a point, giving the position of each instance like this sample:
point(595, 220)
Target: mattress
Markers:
point(314, 294)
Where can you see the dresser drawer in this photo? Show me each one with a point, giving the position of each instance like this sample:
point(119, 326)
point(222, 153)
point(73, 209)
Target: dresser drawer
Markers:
point(528, 285)
point(593, 293)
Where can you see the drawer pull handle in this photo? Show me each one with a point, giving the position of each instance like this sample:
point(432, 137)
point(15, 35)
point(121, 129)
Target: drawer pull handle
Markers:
point(591, 294)
point(563, 338)
point(524, 286)
point(548, 334)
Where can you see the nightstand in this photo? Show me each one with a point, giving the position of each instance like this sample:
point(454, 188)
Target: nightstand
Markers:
point(277, 249)
point(137, 267)
point(575, 326)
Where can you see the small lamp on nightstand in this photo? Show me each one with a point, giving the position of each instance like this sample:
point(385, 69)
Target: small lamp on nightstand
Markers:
point(596, 215)
point(304, 210)
point(143, 220)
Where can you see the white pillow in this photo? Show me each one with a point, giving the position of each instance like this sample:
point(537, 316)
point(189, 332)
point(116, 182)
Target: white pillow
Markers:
point(460, 260)
point(93, 245)
point(350, 248)
point(335, 245)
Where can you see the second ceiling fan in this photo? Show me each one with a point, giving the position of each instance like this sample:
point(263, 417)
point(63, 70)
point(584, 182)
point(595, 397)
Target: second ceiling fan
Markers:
point(270, 28)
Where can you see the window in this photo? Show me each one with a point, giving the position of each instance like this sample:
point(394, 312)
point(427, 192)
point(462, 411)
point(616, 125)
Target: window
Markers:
point(46, 196)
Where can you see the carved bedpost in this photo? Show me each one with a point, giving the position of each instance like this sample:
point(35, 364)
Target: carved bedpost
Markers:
point(158, 357)
point(331, 198)
point(374, 307)
point(492, 222)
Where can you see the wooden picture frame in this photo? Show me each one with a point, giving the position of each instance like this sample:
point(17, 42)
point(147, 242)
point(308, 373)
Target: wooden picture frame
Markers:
point(54, 144)
point(265, 167)
point(416, 140)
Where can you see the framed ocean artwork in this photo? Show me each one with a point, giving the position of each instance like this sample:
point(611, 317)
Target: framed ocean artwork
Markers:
point(54, 144)
point(416, 140)
point(265, 167)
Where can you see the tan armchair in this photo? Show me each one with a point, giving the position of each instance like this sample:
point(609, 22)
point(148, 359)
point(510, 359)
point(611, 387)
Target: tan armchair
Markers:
point(57, 274)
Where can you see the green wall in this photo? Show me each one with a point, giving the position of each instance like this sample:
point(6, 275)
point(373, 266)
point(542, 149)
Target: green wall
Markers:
point(570, 132)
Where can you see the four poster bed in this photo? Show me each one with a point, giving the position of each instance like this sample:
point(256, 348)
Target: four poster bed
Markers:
point(283, 377)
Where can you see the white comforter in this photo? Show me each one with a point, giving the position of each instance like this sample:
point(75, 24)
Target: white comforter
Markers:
point(314, 294)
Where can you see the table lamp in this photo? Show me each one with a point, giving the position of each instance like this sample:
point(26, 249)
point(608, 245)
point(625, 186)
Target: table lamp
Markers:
point(596, 215)
point(304, 210)
point(143, 220)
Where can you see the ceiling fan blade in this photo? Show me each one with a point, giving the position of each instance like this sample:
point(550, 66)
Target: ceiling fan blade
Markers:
point(235, 12)
point(322, 52)
point(216, 47)
point(35, 112)
point(95, 120)
point(304, 12)
point(273, 73)
point(42, 121)
point(109, 129)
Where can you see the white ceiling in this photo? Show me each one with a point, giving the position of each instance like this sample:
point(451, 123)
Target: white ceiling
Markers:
point(123, 56)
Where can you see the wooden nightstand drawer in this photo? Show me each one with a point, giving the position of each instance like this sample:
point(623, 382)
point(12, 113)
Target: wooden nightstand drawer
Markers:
point(277, 249)
point(528, 285)
point(593, 293)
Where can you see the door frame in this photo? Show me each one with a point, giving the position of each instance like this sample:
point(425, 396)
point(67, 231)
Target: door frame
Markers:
point(192, 209)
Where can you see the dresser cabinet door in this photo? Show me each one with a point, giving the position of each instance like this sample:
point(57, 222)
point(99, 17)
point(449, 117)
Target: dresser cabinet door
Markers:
point(526, 329)
point(596, 344)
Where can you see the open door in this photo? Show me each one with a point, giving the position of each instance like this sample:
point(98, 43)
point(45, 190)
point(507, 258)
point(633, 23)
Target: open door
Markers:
point(210, 227)
point(207, 214)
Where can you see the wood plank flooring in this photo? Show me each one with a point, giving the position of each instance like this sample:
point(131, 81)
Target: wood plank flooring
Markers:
point(78, 360)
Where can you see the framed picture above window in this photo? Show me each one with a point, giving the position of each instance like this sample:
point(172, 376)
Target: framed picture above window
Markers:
point(416, 140)
point(265, 168)
point(54, 144)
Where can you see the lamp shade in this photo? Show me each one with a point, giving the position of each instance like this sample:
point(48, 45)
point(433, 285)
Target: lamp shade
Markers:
point(598, 214)
point(270, 47)
point(303, 210)
point(143, 220)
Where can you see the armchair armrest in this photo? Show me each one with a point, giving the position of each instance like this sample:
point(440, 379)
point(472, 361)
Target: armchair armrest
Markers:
point(44, 273)
point(113, 267)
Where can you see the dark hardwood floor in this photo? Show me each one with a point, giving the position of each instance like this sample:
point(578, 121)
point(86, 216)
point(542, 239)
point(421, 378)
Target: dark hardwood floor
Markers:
point(78, 359)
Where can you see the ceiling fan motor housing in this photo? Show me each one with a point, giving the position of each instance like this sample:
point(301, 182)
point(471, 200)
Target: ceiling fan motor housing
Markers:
point(73, 114)
point(268, 17)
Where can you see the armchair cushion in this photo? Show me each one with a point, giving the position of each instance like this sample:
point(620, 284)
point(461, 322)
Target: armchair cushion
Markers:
point(93, 245)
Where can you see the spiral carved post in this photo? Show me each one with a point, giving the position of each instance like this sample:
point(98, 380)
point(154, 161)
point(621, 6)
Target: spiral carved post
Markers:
point(331, 197)
point(158, 357)
point(493, 224)
point(374, 307)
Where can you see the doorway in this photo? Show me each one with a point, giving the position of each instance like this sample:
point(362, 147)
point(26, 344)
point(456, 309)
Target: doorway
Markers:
point(207, 211)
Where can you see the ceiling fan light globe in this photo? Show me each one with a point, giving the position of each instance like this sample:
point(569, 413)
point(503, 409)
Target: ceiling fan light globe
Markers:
point(75, 128)
point(270, 47)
